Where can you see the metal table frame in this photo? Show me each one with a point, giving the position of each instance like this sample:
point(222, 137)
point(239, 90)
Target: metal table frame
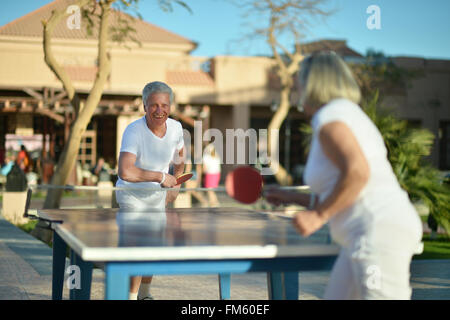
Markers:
point(282, 272)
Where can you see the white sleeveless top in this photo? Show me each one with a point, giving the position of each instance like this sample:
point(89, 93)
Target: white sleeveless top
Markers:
point(381, 198)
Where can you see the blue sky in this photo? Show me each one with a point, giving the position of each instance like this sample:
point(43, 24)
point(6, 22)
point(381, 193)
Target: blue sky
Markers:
point(408, 27)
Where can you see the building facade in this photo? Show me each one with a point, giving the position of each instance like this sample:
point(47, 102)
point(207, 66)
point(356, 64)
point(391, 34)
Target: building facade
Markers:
point(222, 92)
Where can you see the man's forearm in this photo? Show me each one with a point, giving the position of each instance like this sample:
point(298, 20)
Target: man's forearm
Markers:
point(135, 174)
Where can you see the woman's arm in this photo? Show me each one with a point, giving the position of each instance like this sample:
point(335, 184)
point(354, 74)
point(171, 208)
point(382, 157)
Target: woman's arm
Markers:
point(341, 147)
point(278, 196)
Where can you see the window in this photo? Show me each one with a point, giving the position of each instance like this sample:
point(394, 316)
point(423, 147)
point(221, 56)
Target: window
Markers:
point(87, 152)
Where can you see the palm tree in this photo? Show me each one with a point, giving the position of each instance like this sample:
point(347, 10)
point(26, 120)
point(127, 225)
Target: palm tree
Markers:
point(407, 149)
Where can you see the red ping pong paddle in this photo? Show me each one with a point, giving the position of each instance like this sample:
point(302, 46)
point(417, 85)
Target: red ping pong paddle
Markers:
point(244, 184)
point(184, 177)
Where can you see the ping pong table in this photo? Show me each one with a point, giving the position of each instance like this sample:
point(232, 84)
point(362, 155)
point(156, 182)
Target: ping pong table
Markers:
point(220, 241)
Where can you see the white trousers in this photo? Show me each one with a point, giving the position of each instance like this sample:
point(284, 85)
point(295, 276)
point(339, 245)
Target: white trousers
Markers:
point(382, 276)
point(376, 263)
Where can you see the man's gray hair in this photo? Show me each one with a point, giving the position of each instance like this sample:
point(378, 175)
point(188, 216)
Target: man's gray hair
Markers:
point(156, 87)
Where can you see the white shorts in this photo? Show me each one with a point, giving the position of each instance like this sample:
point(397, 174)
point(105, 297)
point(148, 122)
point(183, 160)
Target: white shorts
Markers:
point(136, 199)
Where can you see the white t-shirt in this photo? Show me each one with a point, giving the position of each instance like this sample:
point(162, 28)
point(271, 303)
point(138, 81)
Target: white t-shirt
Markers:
point(381, 198)
point(211, 164)
point(152, 153)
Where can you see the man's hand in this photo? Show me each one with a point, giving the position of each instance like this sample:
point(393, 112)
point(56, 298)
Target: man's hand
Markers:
point(171, 195)
point(178, 169)
point(169, 182)
point(308, 222)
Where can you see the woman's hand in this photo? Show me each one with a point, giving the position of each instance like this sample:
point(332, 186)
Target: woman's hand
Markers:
point(308, 222)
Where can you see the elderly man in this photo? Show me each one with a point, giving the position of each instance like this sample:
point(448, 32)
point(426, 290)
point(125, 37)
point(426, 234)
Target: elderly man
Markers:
point(149, 145)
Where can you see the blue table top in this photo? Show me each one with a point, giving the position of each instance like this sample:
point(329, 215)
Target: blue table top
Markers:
point(180, 234)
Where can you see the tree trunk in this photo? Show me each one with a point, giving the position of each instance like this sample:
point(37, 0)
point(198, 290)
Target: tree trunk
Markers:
point(281, 175)
point(65, 165)
point(69, 155)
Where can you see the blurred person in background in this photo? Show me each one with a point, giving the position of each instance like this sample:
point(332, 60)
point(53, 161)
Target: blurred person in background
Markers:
point(211, 173)
point(23, 159)
point(9, 162)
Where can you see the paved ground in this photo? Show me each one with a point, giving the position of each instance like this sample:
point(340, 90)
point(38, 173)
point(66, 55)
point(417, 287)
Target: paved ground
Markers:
point(25, 274)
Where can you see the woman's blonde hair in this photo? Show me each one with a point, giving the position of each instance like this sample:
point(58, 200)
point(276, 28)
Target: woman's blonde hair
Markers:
point(324, 76)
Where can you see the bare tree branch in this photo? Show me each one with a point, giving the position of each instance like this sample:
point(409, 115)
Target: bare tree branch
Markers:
point(284, 17)
point(272, 42)
point(69, 155)
point(103, 69)
point(50, 59)
point(96, 15)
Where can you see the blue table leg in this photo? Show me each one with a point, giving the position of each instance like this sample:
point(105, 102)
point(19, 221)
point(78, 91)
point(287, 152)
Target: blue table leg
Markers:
point(291, 285)
point(225, 286)
point(282, 285)
point(275, 285)
point(83, 292)
point(59, 263)
point(117, 283)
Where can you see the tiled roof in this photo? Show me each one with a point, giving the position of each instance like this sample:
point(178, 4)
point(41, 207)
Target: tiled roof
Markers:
point(30, 25)
point(193, 78)
point(338, 46)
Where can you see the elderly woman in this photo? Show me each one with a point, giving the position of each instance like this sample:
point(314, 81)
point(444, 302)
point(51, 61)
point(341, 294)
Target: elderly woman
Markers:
point(353, 188)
